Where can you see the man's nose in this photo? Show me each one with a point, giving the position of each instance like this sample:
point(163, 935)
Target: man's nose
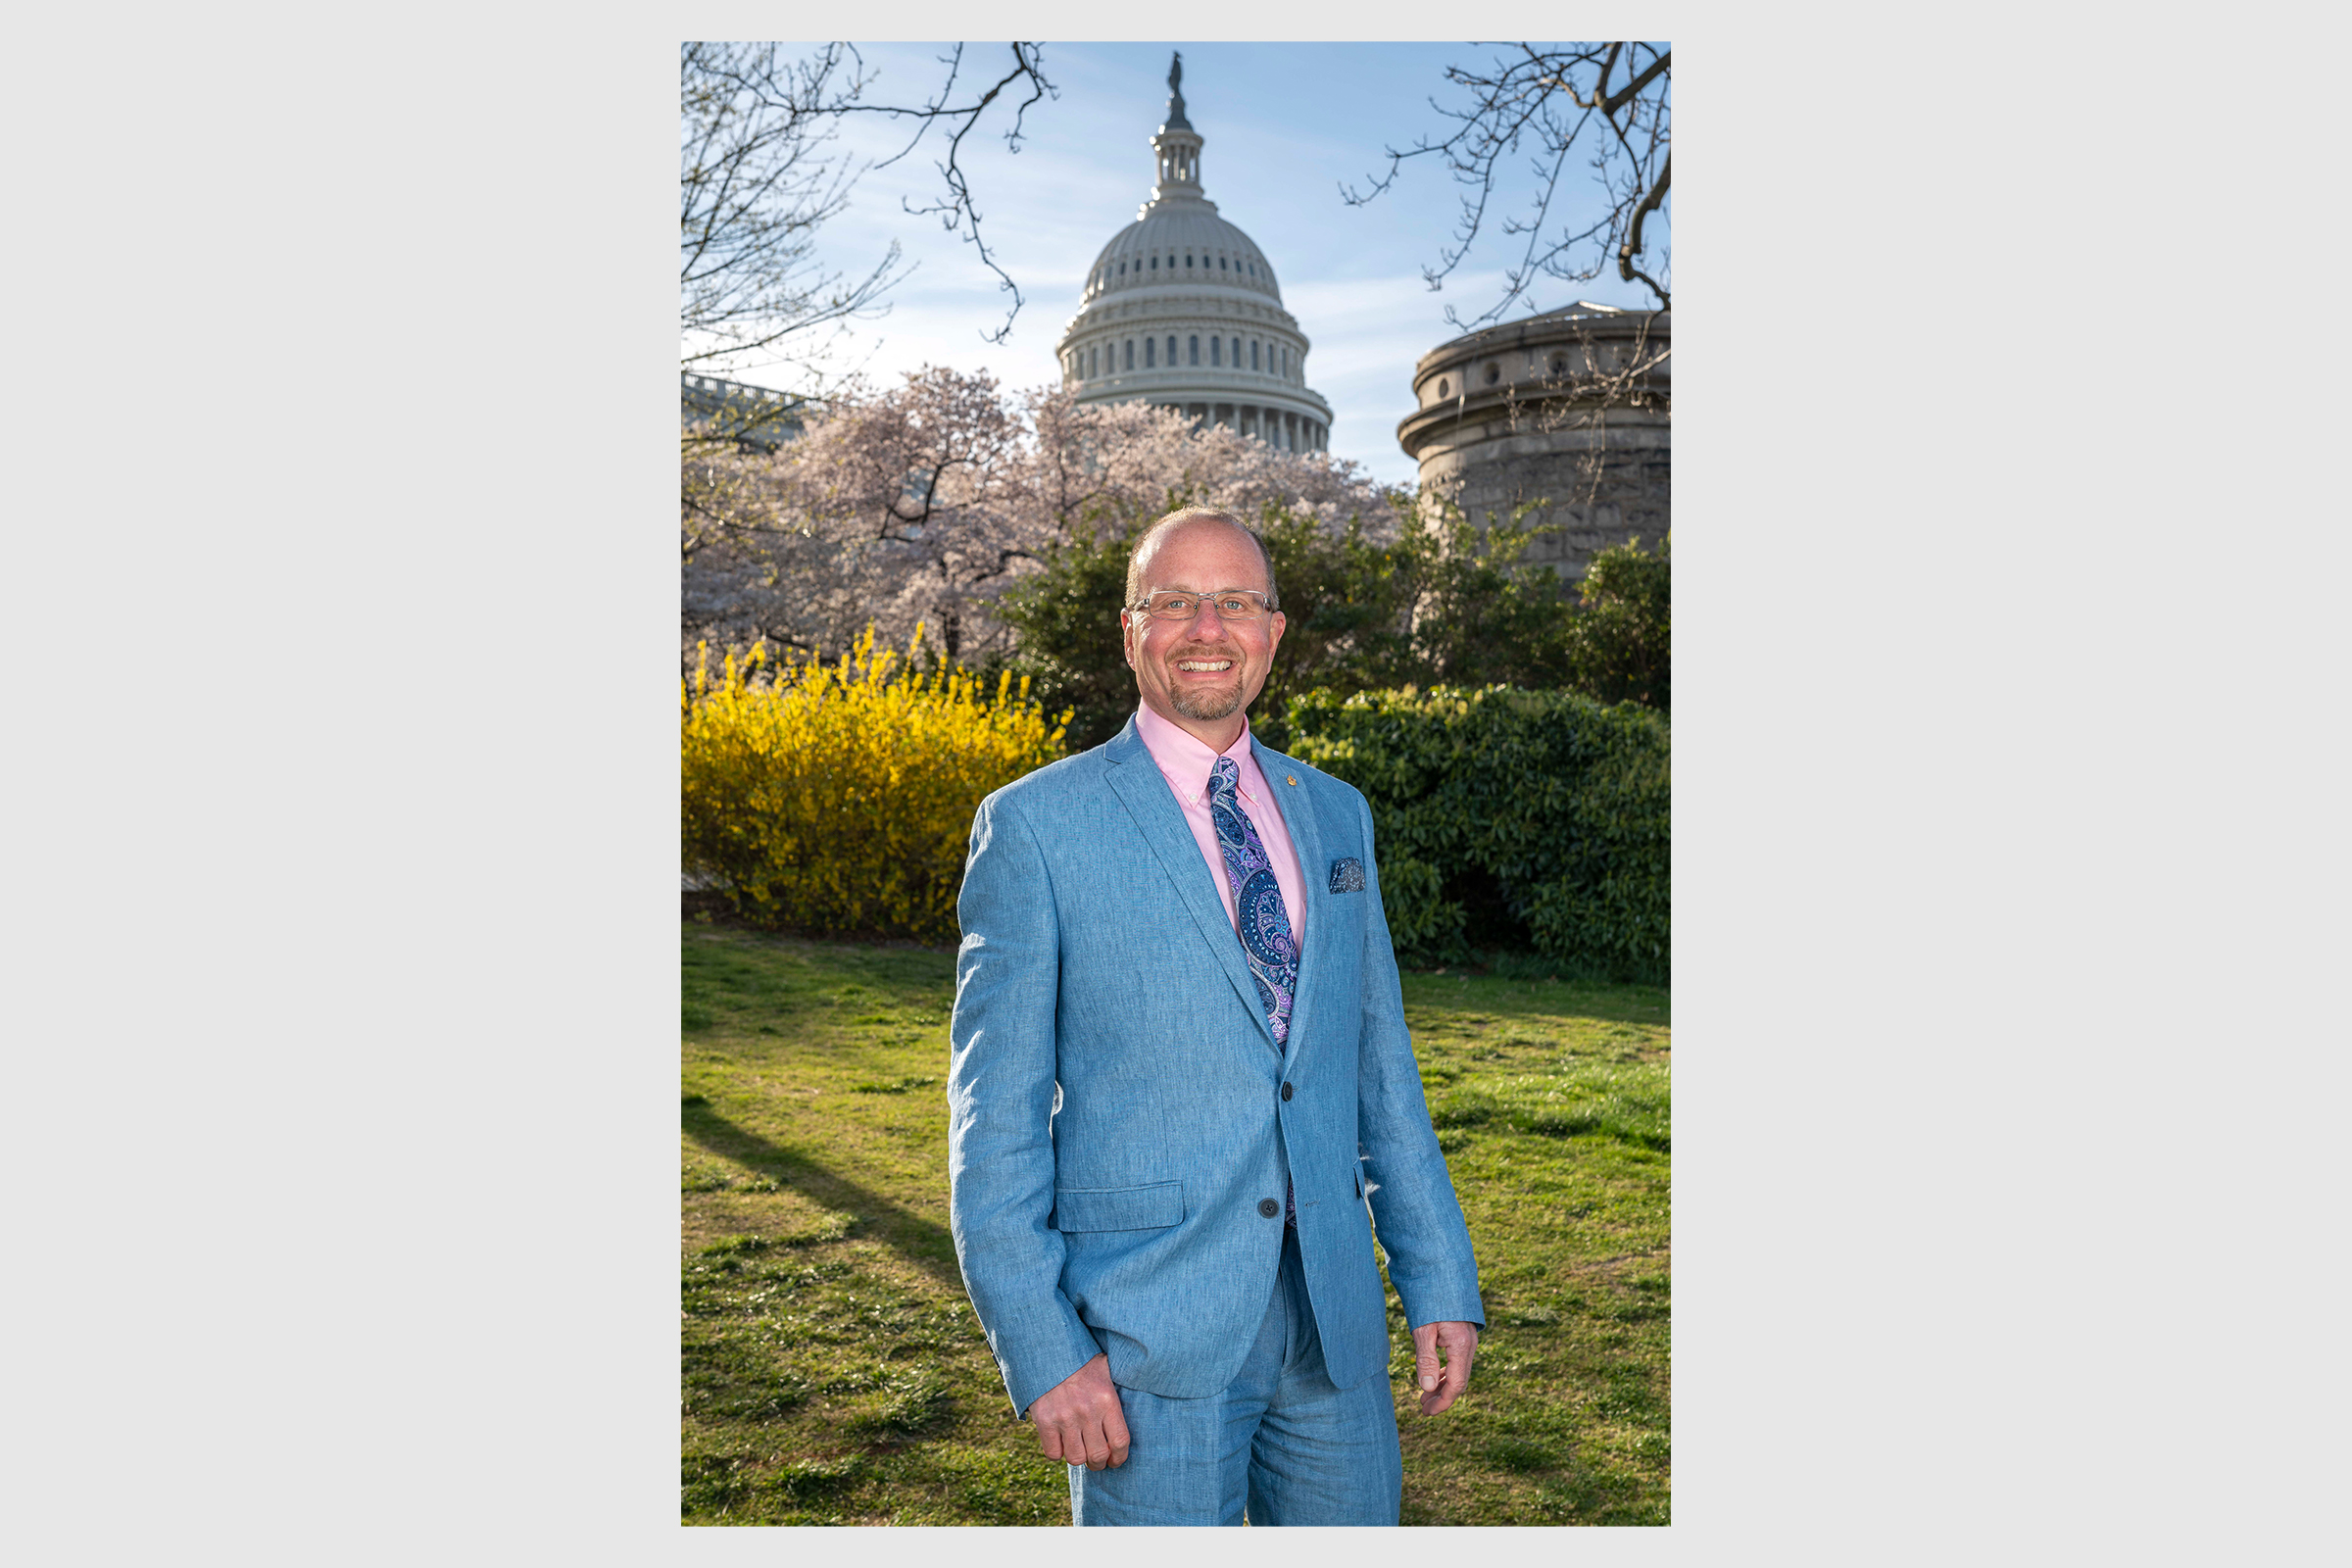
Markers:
point(1205, 607)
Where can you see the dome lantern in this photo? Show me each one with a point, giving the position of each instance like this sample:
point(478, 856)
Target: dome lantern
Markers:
point(1176, 147)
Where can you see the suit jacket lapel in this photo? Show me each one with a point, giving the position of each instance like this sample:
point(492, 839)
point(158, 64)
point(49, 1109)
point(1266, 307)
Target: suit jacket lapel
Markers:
point(1314, 876)
point(1140, 785)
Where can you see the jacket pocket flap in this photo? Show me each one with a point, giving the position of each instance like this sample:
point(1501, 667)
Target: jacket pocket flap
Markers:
point(1118, 1209)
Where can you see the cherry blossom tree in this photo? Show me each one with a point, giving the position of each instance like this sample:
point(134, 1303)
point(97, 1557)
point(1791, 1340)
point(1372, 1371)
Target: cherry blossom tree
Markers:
point(923, 502)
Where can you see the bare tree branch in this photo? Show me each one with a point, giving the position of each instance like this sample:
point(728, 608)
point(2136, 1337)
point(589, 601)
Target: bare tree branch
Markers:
point(759, 178)
point(756, 181)
point(1601, 83)
point(1633, 242)
point(1552, 94)
point(1633, 89)
point(956, 209)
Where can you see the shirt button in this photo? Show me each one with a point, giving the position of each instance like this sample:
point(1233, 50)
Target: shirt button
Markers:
point(1286, 1090)
point(1268, 1208)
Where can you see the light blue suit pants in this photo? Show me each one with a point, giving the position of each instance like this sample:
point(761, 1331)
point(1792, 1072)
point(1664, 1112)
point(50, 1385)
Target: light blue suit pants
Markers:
point(1280, 1438)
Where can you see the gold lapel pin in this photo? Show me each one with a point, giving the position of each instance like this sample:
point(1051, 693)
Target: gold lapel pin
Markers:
point(1293, 778)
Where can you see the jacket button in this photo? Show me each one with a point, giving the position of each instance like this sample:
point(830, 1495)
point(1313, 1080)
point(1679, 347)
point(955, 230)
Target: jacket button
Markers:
point(1268, 1208)
point(1286, 1090)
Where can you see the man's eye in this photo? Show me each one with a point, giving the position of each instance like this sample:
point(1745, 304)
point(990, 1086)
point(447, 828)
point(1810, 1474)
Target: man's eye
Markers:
point(1177, 603)
point(1232, 607)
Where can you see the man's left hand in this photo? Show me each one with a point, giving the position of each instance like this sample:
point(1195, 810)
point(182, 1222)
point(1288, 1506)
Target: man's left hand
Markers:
point(1442, 1386)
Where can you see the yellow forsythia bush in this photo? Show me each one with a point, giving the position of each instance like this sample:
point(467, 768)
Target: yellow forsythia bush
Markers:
point(837, 801)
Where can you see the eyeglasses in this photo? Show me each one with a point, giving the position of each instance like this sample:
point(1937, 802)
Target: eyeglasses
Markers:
point(1230, 604)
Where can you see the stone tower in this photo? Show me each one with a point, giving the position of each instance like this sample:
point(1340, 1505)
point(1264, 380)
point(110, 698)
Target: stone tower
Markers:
point(1570, 407)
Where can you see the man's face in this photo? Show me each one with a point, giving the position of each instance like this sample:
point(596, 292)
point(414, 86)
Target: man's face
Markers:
point(1200, 674)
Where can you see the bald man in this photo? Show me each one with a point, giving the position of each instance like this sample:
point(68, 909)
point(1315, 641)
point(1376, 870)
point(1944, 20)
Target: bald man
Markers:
point(1182, 1095)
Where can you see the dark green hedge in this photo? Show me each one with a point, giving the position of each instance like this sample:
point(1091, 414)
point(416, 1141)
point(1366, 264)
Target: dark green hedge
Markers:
point(1509, 820)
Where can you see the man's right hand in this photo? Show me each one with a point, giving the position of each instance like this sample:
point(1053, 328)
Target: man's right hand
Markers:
point(1079, 1420)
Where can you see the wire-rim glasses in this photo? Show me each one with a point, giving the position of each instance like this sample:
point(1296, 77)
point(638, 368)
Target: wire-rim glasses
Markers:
point(1230, 604)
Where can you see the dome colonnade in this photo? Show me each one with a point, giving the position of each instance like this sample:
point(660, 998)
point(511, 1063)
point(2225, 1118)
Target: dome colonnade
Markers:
point(1182, 310)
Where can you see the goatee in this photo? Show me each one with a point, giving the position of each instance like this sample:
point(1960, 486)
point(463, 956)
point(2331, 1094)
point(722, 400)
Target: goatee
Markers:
point(1208, 704)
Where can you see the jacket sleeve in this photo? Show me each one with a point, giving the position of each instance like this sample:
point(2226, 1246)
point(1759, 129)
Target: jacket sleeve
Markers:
point(1001, 1102)
point(1414, 1212)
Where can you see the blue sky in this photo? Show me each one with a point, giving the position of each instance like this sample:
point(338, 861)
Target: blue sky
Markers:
point(1283, 124)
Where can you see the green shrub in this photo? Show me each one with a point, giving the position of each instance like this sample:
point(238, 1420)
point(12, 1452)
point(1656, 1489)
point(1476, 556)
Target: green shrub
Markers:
point(1509, 819)
point(1620, 642)
point(1440, 602)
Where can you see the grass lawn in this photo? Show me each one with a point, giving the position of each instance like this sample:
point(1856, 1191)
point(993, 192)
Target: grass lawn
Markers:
point(834, 1373)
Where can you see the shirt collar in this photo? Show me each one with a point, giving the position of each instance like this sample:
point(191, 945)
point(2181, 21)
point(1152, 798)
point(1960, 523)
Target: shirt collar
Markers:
point(1185, 759)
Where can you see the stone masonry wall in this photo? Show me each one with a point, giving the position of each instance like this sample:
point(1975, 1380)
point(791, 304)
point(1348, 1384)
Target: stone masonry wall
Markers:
point(1492, 476)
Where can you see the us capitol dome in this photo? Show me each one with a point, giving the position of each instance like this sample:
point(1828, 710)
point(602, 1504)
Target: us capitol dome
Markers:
point(1182, 310)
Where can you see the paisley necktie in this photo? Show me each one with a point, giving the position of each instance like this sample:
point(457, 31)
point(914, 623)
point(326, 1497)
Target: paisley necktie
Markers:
point(1265, 925)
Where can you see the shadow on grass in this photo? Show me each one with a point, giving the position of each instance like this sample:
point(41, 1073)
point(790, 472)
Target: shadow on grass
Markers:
point(924, 1243)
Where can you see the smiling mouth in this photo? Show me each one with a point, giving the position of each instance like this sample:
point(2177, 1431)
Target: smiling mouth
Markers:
point(1204, 666)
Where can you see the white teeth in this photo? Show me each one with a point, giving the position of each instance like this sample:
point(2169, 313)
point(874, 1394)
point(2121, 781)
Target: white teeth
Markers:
point(1205, 664)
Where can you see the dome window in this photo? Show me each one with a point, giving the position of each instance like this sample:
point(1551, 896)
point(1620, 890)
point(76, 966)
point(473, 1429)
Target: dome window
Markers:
point(1131, 354)
point(1253, 353)
point(1220, 264)
point(1494, 373)
point(1122, 269)
point(1156, 263)
point(1444, 389)
point(1196, 347)
point(1213, 357)
point(1147, 342)
point(1173, 350)
point(1188, 260)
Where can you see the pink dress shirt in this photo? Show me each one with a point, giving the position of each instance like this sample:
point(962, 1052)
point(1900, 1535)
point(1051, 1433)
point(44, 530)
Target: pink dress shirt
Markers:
point(1185, 761)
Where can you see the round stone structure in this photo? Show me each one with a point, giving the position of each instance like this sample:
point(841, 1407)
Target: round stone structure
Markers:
point(1182, 310)
point(1571, 407)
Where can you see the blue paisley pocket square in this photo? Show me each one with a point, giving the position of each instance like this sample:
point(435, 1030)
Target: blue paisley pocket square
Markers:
point(1348, 876)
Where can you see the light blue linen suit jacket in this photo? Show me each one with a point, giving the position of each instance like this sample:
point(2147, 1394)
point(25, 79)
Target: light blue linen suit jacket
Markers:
point(1115, 1108)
